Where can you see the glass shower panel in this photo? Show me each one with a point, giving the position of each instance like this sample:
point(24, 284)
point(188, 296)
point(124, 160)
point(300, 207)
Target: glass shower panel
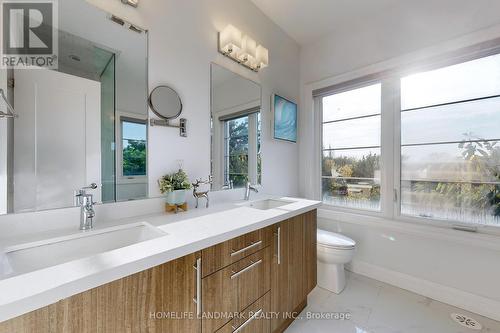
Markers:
point(108, 156)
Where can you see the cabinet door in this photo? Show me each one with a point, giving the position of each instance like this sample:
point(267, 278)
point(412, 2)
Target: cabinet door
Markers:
point(279, 276)
point(296, 239)
point(139, 303)
point(311, 253)
point(178, 292)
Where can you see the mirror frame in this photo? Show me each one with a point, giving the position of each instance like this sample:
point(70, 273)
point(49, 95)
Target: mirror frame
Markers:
point(156, 112)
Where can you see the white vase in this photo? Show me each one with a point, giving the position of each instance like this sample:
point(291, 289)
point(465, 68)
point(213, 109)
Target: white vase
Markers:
point(176, 197)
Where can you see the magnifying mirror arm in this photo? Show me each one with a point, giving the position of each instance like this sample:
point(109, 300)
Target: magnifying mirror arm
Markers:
point(182, 126)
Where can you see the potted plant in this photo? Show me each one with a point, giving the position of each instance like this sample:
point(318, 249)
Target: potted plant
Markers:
point(175, 187)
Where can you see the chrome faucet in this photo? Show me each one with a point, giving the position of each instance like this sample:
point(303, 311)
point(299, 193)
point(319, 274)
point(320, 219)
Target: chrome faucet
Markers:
point(86, 203)
point(248, 189)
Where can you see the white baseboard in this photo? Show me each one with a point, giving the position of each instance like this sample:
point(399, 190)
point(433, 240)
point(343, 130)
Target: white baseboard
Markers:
point(477, 304)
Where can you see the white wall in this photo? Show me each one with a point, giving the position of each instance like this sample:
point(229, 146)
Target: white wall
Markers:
point(183, 42)
point(451, 266)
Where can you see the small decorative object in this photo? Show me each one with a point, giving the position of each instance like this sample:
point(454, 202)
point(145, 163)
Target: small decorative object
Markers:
point(285, 119)
point(175, 187)
point(204, 194)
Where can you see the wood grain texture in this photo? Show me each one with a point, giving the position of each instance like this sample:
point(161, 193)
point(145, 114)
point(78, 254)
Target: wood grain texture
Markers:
point(258, 325)
point(219, 256)
point(41, 320)
point(130, 305)
point(296, 261)
point(279, 276)
point(295, 277)
point(310, 251)
point(293, 314)
point(223, 295)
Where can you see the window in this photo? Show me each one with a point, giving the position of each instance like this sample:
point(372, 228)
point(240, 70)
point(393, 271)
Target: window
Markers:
point(134, 147)
point(351, 148)
point(446, 166)
point(236, 151)
point(242, 144)
point(450, 158)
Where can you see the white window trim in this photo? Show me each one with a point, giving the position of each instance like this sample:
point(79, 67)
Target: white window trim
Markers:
point(391, 134)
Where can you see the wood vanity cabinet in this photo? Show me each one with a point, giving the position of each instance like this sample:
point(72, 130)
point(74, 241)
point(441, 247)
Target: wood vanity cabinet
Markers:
point(255, 276)
point(294, 270)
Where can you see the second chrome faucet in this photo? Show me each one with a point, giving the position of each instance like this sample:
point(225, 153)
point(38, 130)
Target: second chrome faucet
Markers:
point(249, 188)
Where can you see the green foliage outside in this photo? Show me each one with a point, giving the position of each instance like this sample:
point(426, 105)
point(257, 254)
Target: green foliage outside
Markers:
point(350, 167)
point(238, 152)
point(483, 159)
point(134, 158)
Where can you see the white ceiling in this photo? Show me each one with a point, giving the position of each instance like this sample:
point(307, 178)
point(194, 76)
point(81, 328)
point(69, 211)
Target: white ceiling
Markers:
point(308, 20)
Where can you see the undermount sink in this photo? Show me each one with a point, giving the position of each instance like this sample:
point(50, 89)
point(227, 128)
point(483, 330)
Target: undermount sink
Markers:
point(34, 256)
point(268, 204)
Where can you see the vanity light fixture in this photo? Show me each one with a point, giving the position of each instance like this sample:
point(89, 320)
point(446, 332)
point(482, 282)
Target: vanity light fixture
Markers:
point(133, 3)
point(128, 25)
point(242, 49)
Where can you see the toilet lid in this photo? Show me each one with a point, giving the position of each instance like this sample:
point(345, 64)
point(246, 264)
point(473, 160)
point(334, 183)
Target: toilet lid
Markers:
point(333, 240)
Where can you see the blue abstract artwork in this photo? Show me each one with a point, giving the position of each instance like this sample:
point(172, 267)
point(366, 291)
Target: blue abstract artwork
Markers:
point(285, 119)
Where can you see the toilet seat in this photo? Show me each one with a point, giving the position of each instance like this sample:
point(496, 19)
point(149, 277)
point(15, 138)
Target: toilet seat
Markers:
point(335, 241)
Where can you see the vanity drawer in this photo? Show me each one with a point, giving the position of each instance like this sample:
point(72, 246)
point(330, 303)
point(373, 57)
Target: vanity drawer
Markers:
point(226, 253)
point(234, 288)
point(253, 319)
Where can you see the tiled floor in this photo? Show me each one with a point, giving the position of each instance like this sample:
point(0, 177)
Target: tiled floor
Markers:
point(376, 307)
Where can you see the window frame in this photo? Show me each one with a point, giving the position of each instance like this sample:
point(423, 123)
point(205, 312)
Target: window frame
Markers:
point(318, 100)
point(253, 151)
point(391, 135)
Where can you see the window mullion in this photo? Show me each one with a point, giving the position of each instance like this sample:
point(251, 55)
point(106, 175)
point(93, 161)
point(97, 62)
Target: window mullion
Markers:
point(390, 105)
point(396, 193)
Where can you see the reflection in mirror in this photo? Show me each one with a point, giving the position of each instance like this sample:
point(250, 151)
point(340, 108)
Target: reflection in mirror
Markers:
point(236, 130)
point(84, 123)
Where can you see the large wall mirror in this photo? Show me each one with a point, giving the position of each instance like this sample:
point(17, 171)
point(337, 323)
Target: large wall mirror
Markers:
point(236, 130)
point(84, 123)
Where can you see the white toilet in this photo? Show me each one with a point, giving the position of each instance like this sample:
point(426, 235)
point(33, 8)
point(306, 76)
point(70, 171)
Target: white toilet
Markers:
point(334, 250)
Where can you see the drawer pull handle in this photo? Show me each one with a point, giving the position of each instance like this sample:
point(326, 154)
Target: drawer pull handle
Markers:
point(248, 321)
point(197, 298)
point(279, 245)
point(236, 252)
point(235, 275)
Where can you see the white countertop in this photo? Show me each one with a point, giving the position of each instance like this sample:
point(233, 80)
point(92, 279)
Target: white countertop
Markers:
point(186, 233)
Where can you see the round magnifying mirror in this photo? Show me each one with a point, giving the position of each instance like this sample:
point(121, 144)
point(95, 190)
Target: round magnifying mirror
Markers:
point(165, 102)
